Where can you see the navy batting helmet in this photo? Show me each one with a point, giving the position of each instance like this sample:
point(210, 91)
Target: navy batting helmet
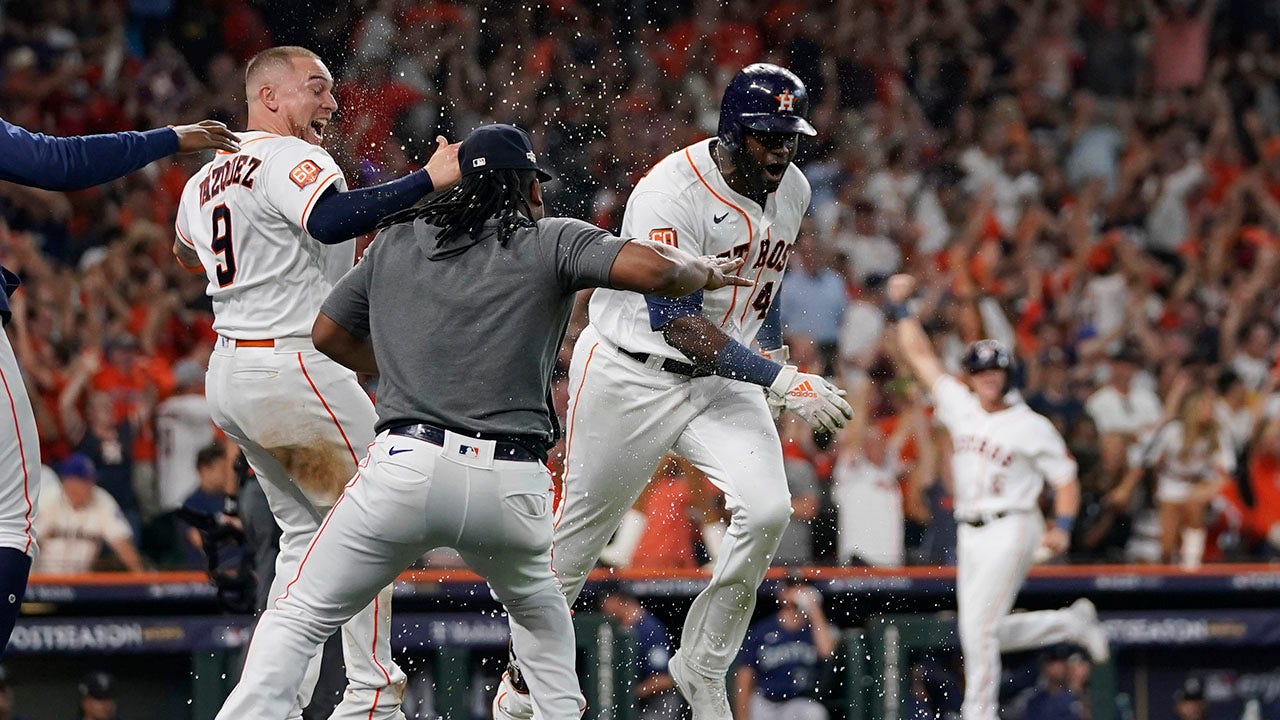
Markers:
point(987, 355)
point(763, 97)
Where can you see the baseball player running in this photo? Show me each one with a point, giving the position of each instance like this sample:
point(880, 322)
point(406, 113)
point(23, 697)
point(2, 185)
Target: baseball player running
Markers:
point(651, 374)
point(460, 306)
point(1002, 454)
point(57, 163)
point(268, 226)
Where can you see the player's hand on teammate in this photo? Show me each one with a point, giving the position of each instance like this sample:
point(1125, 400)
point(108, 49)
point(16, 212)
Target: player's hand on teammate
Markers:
point(813, 398)
point(722, 272)
point(206, 135)
point(443, 166)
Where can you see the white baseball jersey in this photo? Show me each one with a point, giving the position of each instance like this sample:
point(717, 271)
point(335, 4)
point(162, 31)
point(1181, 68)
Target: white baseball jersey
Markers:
point(685, 202)
point(999, 460)
point(869, 501)
point(245, 214)
point(183, 428)
point(71, 538)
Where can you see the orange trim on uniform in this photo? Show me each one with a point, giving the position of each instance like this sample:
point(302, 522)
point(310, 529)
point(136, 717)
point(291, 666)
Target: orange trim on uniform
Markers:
point(256, 343)
point(750, 232)
point(755, 286)
point(324, 183)
point(568, 441)
point(22, 456)
point(316, 390)
point(374, 653)
point(185, 240)
point(268, 136)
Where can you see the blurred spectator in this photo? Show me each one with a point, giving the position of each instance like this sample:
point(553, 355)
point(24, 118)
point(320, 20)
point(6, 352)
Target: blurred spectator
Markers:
point(1193, 459)
point(216, 480)
point(654, 690)
point(1059, 691)
point(796, 545)
point(778, 666)
point(813, 295)
point(183, 428)
point(98, 696)
point(77, 519)
point(6, 697)
point(1189, 702)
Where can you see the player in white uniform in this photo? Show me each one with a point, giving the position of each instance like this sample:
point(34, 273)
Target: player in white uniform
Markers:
point(650, 375)
point(269, 227)
point(1002, 454)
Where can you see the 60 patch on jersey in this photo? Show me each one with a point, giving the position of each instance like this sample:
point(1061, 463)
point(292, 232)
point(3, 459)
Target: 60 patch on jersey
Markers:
point(666, 236)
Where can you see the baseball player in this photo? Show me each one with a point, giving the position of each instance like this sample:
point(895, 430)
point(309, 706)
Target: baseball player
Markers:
point(650, 374)
point(57, 163)
point(269, 226)
point(1002, 454)
point(464, 419)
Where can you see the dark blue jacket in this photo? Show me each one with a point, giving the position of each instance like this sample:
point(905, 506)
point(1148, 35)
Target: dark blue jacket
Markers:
point(73, 163)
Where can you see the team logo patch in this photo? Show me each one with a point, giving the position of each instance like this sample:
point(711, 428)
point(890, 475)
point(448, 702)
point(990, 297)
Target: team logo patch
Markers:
point(305, 173)
point(786, 101)
point(666, 236)
point(478, 162)
point(468, 451)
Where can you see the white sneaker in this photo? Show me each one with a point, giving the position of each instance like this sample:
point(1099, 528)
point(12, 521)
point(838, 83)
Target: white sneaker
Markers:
point(1094, 636)
point(511, 704)
point(706, 695)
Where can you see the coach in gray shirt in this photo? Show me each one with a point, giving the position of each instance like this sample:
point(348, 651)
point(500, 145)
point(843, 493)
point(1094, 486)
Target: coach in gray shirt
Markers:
point(460, 306)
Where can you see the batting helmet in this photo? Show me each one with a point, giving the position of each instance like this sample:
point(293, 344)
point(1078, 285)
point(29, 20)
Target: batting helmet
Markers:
point(987, 355)
point(763, 97)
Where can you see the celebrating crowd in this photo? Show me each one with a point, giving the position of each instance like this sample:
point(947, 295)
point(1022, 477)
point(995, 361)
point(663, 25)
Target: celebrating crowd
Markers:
point(1096, 183)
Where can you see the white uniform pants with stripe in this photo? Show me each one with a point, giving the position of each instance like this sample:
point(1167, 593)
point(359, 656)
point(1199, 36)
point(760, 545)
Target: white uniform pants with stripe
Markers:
point(992, 563)
point(19, 457)
point(623, 418)
point(303, 422)
point(412, 496)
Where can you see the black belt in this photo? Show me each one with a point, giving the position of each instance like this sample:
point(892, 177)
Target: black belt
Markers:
point(979, 522)
point(669, 365)
point(502, 450)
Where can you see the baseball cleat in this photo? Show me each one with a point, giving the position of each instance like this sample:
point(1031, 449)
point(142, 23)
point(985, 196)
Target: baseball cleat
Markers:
point(1094, 635)
point(510, 703)
point(706, 695)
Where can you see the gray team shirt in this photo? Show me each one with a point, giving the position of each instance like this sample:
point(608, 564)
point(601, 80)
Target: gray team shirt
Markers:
point(469, 342)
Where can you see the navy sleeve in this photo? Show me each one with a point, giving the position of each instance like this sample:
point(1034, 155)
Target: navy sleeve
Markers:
point(340, 216)
point(770, 333)
point(11, 283)
point(72, 163)
point(663, 310)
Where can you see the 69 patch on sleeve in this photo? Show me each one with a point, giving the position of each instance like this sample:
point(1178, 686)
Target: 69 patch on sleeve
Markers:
point(304, 173)
point(666, 236)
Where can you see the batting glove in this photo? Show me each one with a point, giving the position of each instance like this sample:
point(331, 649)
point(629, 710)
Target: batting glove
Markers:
point(775, 402)
point(820, 403)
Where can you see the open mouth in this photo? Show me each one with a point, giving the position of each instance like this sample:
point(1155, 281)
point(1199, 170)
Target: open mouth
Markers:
point(318, 126)
point(774, 172)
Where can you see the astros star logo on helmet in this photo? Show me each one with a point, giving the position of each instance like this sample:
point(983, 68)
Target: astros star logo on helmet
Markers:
point(786, 101)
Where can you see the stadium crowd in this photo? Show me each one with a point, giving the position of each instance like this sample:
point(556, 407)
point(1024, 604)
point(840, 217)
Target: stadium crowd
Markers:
point(1094, 182)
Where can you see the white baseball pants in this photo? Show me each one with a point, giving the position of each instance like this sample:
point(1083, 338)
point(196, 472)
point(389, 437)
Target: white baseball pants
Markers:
point(623, 418)
point(409, 497)
point(992, 562)
point(304, 422)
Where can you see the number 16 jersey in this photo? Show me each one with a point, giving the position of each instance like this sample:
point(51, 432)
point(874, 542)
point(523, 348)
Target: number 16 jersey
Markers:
point(684, 201)
point(245, 214)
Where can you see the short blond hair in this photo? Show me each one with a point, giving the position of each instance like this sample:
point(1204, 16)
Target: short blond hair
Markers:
point(271, 59)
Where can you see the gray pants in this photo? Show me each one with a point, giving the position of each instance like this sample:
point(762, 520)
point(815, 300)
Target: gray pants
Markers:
point(408, 497)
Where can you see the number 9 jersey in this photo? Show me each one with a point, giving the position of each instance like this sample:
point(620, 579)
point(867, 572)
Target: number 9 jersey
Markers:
point(245, 214)
point(684, 201)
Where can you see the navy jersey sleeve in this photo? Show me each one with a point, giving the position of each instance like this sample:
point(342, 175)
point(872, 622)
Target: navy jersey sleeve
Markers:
point(72, 163)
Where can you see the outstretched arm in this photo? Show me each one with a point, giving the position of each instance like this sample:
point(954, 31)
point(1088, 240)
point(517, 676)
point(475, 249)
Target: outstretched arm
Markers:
point(912, 340)
point(73, 163)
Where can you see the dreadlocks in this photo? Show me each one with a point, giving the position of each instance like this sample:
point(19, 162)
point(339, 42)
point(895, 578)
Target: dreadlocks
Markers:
point(463, 209)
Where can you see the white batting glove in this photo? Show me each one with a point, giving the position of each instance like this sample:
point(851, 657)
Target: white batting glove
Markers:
point(813, 398)
point(775, 402)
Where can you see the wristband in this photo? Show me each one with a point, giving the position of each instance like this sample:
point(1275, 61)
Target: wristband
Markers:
point(1064, 523)
point(231, 506)
point(736, 362)
point(894, 312)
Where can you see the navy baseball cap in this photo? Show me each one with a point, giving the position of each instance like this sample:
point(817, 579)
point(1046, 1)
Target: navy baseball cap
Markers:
point(499, 147)
point(98, 685)
point(77, 465)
